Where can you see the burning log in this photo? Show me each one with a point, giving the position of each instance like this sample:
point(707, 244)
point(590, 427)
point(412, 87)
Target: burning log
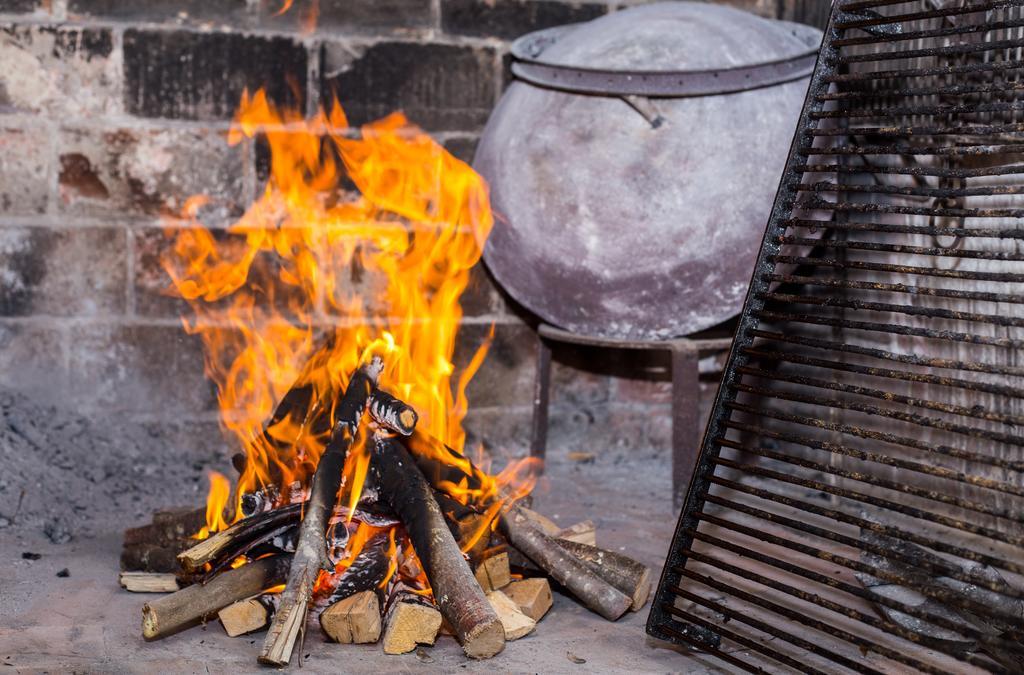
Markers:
point(469, 527)
point(353, 620)
point(546, 552)
point(175, 611)
point(409, 620)
point(391, 413)
point(627, 575)
point(311, 551)
point(461, 601)
point(228, 543)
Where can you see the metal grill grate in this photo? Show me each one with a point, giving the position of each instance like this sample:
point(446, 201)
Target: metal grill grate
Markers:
point(858, 503)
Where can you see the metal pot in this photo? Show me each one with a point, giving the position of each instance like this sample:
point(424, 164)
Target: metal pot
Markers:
point(634, 161)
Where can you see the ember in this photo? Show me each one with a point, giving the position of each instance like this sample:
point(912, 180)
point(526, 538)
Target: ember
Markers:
point(355, 500)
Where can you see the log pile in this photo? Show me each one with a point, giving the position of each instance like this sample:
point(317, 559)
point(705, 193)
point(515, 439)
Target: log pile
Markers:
point(412, 559)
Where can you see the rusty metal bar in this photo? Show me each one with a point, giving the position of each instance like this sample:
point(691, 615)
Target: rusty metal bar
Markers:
point(859, 207)
point(975, 412)
point(916, 291)
point(936, 567)
point(937, 150)
point(923, 493)
point(962, 130)
point(774, 631)
point(821, 626)
point(925, 230)
point(856, 591)
point(745, 642)
point(928, 14)
point(969, 68)
point(909, 191)
point(886, 530)
point(993, 90)
point(697, 644)
point(1008, 277)
point(969, 29)
point(901, 248)
point(958, 49)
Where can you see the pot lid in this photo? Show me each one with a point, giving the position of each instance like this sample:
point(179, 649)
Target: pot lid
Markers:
point(668, 49)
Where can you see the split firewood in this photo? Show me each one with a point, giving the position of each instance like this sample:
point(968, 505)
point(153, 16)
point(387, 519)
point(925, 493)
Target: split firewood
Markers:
point(532, 596)
point(148, 582)
point(459, 597)
point(581, 533)
point(593, 591)
point(409, 620)
point(542, 522)
point(627, 575)
point(353, 620)
point(393, 414)
point(514, 621)
point(244, 616)
point(172, 612)
point(311, 556)
point(493, 573)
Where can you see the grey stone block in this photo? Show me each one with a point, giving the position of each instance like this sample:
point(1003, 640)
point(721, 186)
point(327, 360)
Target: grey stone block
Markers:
point(24, 172)
point(64, 272)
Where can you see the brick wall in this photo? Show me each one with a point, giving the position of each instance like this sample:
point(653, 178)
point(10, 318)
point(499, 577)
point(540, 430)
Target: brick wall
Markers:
point(114, 111)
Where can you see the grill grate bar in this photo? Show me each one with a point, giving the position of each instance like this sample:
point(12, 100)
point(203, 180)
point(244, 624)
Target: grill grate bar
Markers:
point(866, 434)
point(797, 617)
point(683, 637)
point(885, 530)
point(855, 591)
point(932, 566)
point(879, 482)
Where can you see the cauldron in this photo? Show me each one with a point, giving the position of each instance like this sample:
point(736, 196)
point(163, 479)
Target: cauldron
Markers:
point(634, 161)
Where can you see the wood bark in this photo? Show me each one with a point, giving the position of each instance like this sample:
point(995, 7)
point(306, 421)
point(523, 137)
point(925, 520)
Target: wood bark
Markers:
point(392, 413)
point(588, 587)
point(459, 597)
point(366, 572)
point(227, 543)
point(150, 558)
point(627, 575)
point(173, 612)
point(311, 551)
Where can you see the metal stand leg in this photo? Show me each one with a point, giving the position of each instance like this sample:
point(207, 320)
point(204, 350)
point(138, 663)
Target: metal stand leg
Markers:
point(541, 386)
point(685, 416)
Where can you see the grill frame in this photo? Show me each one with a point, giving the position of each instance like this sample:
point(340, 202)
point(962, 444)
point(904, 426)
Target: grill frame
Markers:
point(832, 70)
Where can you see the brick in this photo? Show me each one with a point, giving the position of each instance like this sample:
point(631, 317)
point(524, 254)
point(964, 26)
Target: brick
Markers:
point(439, 87)
point(24, 172)
point(348, 15)
point(20, 6)
point(32, 360)
point(62, 272)
point(138, 369)
point(505, 434)
point(506, 376)
point(233, 13)
point(481, 297)
point(462, 147)
point(154, 295)
point(201, 76)
point(132, 172)
point(63, 71)
point(508, 19)
point(573, 384)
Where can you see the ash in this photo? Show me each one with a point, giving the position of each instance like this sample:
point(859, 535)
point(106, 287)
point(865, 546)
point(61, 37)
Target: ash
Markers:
point(68, 476)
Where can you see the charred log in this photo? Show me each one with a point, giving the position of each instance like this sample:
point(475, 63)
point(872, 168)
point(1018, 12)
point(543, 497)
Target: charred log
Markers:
point(391, 413)
point(460, 599)
point(228, 543)
point(367, 571)
point(173, 612)
point(311, 556)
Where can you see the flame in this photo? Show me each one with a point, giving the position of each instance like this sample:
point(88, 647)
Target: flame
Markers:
point(361, 243)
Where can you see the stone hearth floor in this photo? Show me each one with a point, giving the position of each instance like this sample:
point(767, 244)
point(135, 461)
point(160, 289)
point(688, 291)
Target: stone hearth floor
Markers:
point(86, 623)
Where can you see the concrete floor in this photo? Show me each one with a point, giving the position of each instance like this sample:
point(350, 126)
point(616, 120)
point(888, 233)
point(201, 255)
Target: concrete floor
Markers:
point(86, 623)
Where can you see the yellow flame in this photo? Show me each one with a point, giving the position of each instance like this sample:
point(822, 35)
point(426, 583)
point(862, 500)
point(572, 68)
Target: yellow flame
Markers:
point(216, 501)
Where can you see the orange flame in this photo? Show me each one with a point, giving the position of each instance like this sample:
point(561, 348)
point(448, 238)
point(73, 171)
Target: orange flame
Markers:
point(216, 500)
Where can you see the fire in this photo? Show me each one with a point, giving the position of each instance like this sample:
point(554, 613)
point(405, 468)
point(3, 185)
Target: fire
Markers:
point(217, 499)
point(314, 276)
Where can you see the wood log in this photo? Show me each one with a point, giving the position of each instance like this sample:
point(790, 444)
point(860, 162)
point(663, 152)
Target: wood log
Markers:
point(228, 543)
point(586, 585)
point(366, 572)
point(532, 596)
point(353, 620)
point(148, 582)
point(459, 597)
point(410, 620)
point(493, 573)
point(244, 616)
point(173, 612)
point(392, 413)
point(514, 621)
point(311, 551)
point(168, 528)
point(466, 525)
point(150, 558)
point(627, 575)
point(581, 533)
